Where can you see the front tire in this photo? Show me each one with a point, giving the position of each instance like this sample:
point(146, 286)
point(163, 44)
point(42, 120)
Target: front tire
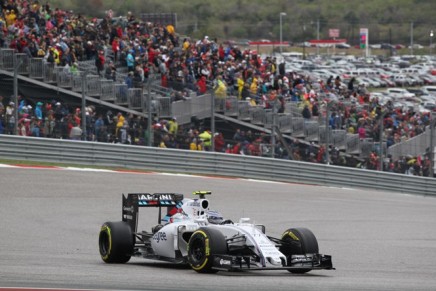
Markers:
point(115, 242)
point(298, 241)
point(202, 246)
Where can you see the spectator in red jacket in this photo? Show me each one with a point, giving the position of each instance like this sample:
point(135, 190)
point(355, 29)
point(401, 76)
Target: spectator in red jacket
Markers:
point(201, 84)
point(219, 142)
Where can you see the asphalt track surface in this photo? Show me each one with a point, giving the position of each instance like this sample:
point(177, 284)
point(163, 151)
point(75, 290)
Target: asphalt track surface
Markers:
point(50, 219)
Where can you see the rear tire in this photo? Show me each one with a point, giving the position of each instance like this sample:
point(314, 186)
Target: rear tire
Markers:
point(203, 245)
point(115, 242)
point(299, 241)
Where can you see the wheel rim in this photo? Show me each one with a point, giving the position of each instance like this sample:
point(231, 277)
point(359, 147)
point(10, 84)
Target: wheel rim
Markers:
point(104, 243)
point(198, 252)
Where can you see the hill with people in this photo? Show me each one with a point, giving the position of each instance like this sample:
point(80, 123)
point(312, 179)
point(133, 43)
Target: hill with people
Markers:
point(390, 21)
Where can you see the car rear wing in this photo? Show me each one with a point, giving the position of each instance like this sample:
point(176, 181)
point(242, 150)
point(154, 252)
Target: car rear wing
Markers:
point(133, 201)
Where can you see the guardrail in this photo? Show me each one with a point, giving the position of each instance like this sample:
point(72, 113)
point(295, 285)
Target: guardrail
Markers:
point(136, 99)
point(207, 163)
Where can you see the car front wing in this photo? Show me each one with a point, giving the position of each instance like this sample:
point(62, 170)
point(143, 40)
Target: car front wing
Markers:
point(297, 262)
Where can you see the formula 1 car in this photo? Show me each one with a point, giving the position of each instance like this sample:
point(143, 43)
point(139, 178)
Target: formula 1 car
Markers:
point(191, 233)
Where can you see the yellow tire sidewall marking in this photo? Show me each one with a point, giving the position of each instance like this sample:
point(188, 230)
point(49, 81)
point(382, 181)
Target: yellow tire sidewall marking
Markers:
point(291, 235)
point(207, 251)
point(107, 230)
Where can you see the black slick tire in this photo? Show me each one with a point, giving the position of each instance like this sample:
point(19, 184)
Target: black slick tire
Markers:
point(115, 242)
point(202, 246)
point(298, 241)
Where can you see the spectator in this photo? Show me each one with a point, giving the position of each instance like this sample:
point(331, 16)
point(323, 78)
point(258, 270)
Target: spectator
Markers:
point(351, 84)
point(201, 84)
point(99, 62)
point(38, 111)
point(120, 124)
point(306, 113)
point(219, 142)
point(110, 72)
point(206, 138)
point(130, 61)
point(129, 80)
point(173, 127)
point(116, 47)
point(10, 118)
point(99, 127)
point(63, 38)
point(76, 132)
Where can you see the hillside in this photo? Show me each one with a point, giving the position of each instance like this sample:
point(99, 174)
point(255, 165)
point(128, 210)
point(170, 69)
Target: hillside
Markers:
point(387, 20)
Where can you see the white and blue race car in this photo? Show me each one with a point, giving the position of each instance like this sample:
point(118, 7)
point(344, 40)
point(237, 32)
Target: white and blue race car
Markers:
point(191, 233)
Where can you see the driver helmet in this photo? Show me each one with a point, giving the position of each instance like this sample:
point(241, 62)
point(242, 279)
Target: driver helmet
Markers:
point(214, 217)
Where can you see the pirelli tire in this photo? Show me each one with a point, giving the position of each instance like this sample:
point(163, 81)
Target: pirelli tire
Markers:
point(202, 246)
point(115, 242)
point(298, 241)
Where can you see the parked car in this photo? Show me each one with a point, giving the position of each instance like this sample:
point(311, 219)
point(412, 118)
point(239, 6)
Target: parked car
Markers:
point(416, 46)
point(402, 80)
point(431, 106)
point(388, 82)
point(399, 93)
point(343, 46)
point(429, 90)
point(428, 79)
point(416, 81)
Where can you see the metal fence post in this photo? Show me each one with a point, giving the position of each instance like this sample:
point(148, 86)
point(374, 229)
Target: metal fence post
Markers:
point(432, 126)
point(16, 66)
point(212, 120)
point(382, 118)
point(327, 127)
point(84, 135)
point(149, 114)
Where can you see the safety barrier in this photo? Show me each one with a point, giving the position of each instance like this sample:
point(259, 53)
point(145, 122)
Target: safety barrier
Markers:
point(284, 122)
point(230, 105)
point(376, 147)
point(77, 83)
point(265, 150)
point(36, 68)
point(339, 138)
point(366, 147)
point(225, 106)
point(311, 130)
point(221, 106)
point(298, 127)
point(352, 144)
point(243, 110)
point(48, 73)
point(295, 108)
point(93, 85)
point(121, 94)
point(22, 63)
point(161, 106)
point(206, 163)
point(7, 59)
point(269, 118)
point(135, 99)
point(322, 134)
point(64, 78)
point(201, 106)
point(107, 90)
point(120, 77)
point(415, 146)
point(182, 109)
point(88, 66)
point(257, 114)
